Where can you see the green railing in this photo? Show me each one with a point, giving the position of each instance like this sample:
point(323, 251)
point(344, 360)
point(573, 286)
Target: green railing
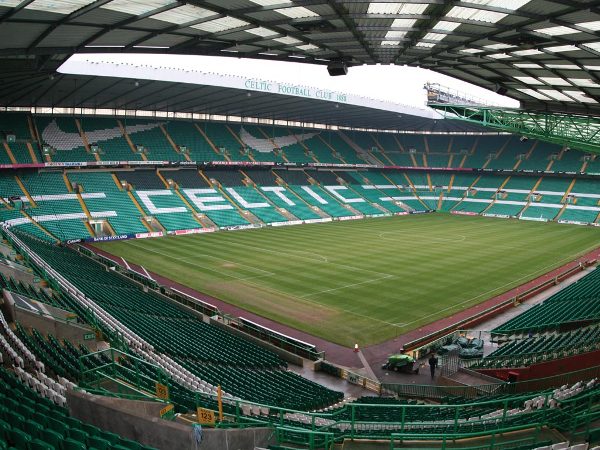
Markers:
point(497, 439)
point(303, 437)
point(435, 392)
point(525, 359)
point(112, 378)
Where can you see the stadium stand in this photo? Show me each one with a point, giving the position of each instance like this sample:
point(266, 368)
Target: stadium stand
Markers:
point(205, 349)
point(185, 134)
point(108, 136)
point(543, 347)
point(577, 304)
point(33, 413)
point(63, 136)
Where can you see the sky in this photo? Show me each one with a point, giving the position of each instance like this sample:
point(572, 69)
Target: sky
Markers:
point(398, 84)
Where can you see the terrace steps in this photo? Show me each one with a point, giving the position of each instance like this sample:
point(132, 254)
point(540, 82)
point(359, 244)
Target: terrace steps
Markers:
point(517, 164)
point(414, 161)
point(9, 153)
point(400, 146)
point(381, 151)
point(162, 178)
point(67, 182)
point(141, 210)
point(264, 133)
point(303, 145)
point(171, 142)
point(31, 152)
point(237, 138)
point(560, 213)
point(210, 142)
point(569, 189)
point(129, 141)
point(328, 146)
point(451, 183)
point(84, 139)
point(25, 191)
point(32, 129)
point(39, 226)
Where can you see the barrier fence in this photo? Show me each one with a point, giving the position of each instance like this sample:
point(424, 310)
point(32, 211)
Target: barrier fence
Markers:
point(434, 392)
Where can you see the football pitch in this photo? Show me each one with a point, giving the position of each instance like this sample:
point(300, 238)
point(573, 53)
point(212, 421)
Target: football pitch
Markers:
point(363, 281)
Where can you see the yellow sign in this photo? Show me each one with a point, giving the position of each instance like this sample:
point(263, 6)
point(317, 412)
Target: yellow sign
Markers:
point(162, 391)
point(205, 416)
point(165, 411)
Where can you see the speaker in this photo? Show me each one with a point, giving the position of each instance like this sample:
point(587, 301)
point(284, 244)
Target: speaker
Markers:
point(337, 68)
point(500, 90)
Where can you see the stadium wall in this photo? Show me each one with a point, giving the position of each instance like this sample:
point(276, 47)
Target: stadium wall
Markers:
point(546, 369)
point(140, 421)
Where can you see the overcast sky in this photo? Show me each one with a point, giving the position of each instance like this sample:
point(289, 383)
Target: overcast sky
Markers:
point(399, 84)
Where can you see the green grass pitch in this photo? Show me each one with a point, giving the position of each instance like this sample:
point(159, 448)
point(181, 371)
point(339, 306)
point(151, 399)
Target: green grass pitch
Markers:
point(363, 281)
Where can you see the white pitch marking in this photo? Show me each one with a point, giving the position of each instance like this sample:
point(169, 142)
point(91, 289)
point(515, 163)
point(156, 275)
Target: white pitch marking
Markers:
point(199, 265)
point(345, 286)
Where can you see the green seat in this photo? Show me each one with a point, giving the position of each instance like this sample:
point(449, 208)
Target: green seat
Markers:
point(40, 418)
point(19, 438)
point(72, 422)
point(131, 445)
point(3, 444)
point(98, 443)
point(91, 429)
point(4, 429)
point(51, 437)
point(37, 444)
point(25, 411)
point(111, 437)
point(3, 409)
point(14, 419)
point(33, 428)
point(71, 444)
point(78, 435)
point(58, 426)
point(118, 447)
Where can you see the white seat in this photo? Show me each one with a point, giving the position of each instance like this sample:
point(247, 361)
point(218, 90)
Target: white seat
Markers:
point(583, 446)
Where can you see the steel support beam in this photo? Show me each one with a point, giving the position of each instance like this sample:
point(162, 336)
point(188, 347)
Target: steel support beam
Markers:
point(578, 132)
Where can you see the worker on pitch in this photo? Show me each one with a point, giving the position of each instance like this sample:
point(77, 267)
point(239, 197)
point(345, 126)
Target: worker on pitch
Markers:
point(433, 363)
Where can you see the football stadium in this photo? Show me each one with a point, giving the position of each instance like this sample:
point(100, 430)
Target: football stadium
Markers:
point(193, 258)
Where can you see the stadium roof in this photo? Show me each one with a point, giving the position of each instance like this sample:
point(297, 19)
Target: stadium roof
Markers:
point(545, 53)
point(133, 88)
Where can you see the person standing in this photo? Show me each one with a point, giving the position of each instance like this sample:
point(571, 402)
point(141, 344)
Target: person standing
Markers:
point(433, 363)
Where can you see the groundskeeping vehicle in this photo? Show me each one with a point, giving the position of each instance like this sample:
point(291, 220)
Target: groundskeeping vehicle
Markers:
point(401, 363)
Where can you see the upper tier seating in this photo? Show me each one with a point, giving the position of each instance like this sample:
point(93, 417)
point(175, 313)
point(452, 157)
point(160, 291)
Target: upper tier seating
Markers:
point(63, 136)
point(225, 141)
point(107, 134)
point(150, 136)
point(186, 134)
point(263, 143)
